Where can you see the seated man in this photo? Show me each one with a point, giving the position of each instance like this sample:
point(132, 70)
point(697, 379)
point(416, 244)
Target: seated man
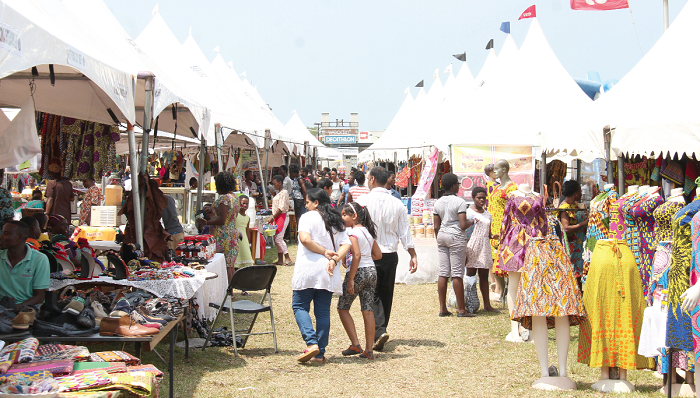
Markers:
point(24, 273)
point(43, 221)
point(34, 232)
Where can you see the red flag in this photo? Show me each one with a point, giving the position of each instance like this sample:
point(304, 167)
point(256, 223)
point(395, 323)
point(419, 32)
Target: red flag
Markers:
point(599, 5)
point(529, 13)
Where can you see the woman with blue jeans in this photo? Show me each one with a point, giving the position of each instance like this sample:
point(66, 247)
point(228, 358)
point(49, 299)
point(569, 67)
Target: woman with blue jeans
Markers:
point(323, 240)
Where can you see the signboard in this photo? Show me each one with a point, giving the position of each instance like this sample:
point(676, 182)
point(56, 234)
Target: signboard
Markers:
point(364, 135)
point(468, 163)
point(348, 151)
point(340, 139)
point(339, 131)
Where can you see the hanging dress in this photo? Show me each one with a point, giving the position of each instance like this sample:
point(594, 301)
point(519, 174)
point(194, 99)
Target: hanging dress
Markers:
point(631, 231)
point(643, 214)
point(525, 218)
point(497, 208)
point(598, 223)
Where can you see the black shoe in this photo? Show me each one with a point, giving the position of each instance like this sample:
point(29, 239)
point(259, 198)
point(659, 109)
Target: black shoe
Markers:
point(6, 323)
point(8, 303)
point(86, 318)
point(42, 328)
point(465, 315)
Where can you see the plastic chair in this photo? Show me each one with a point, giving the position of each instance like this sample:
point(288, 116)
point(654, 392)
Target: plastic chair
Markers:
point(251, 278)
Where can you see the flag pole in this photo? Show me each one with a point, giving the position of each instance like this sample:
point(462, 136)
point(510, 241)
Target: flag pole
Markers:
point(665, 15)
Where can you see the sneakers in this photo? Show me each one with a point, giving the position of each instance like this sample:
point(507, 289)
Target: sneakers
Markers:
point(121, 308)
point(137, 317)
point(379, 344)
point(25, 318)
point(75, 307)
point(352, 350)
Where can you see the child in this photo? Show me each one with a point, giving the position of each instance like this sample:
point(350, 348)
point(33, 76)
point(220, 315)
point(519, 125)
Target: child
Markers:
point(478, 248)
point(361, 277)
point(245, 257)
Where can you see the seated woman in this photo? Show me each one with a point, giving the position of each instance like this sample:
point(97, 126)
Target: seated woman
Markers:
point(37, 201)
point(58, 233)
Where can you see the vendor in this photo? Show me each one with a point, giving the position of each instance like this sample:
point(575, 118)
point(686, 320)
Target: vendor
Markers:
point(193, 183)
point(43, 221)
point(34, 232)
point(24, 273)
point(172, 224)
point(249, 183)
point(58, 232)
point(59, 194)
point(93, 197)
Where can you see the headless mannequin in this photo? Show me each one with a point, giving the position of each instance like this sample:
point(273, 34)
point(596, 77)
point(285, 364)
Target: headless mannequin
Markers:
point(514, 283)
point(677, 195)
point(632, 189)
point(608, 186)
point(690, 301)
point(500, 281)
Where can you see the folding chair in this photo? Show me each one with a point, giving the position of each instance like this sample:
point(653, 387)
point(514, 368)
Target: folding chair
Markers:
point(251, 278)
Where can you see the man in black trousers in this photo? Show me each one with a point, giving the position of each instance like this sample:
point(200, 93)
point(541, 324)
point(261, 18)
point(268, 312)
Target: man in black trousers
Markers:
point(391, 218)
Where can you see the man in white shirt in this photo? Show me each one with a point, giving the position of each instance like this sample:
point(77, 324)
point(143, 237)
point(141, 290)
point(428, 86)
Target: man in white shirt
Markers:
point(391, 218)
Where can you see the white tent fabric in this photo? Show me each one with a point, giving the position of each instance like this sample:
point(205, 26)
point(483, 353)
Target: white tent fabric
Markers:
point(397, 124)
point(20, 140)
point(299, 133)
point(96, 15)
point(190, 68)
point(661, 117)
point(88, 82)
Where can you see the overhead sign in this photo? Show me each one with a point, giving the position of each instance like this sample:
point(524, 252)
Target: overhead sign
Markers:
point(469, 162)
point(348, 151)
point(339, 131)
point(364, 135)
point(340, 139)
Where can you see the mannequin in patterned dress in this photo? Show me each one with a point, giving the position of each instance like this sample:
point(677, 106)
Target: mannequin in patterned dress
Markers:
point(692, 295)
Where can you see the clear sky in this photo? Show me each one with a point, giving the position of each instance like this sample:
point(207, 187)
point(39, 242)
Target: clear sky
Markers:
point(359, 56)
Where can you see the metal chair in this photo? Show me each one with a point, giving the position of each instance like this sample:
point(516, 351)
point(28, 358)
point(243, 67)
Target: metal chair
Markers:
point(251, 278)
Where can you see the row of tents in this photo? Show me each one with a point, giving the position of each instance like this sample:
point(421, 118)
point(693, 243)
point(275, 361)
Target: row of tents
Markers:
point(526, 97)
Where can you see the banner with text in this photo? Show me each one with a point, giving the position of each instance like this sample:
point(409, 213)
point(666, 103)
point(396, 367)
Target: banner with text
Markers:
point(468, 163)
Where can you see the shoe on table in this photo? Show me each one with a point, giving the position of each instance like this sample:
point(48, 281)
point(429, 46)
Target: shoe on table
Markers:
point(137, 317)
point(352, 350)
point(121, 308)
point(379, 343)
point(25, 318)
point(86, 318)
point(75, 307)
point(42, 328)
point(99, 311)
point(6, 321)
point(124, 326)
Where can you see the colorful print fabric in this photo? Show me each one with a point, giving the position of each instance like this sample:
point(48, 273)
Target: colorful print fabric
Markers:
point(694, 277)
point(525, 218)
point(547, 285)
point(497, 208)
point(227, 235)
point(643, 215)
point(93, 197)
point(598, 223)
point(615, 306)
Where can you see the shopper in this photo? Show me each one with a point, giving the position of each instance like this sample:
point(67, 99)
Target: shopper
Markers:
point(337, 188)
point(346, 188)
point(172, 224)
point(450, 221)
point(280, 207)
point(245, 257)
point(322, 239)
point(391, 219)
point(390, 185)
point(59, 194)
point(287, 183)
point(193, 183)
point(37, 201)
point(361, 277)
point(327, 185)
point(360, 189)
point(479, 258)
point(298, 192)
point(249, 183)
point(575, 223)
point(93, 197)
point(225, 209)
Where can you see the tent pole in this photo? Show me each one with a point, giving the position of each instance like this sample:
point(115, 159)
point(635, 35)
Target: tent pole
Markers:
point(267, 157)
point(264, 187)
point(217, 142)
point(410, 173)
point(200, 183)
point(607, 138)
point(665, 15)
point(147, 119)
point(450, 157)
point(620, 175)
point(543, 172)
point(135, 197)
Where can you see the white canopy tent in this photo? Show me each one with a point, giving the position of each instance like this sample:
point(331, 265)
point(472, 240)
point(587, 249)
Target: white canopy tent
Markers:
point(660, 117)
point(167, 93)
point(394, 129)
point(299, 133)
point(88, 83)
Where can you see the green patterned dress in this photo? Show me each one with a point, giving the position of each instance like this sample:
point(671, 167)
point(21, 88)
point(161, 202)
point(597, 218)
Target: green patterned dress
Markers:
point(227, 235)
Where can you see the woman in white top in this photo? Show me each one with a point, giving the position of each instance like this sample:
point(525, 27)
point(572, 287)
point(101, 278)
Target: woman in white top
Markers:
point(337, 188)
point(280, 207)
point(316, 272)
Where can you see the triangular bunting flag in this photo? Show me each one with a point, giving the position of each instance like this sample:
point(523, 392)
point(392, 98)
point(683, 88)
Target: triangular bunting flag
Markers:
point(420, 84)
point(462, 57)
point(489, 45)
point(505, 27)
point(528, 13)
point(448, 69)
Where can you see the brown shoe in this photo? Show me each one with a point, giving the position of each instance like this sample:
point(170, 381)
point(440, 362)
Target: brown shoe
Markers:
point(124, 326)
point(24, 318)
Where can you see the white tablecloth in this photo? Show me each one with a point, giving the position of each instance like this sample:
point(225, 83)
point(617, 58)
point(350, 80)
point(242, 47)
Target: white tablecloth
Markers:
point(105, 245)
point(427, 272)
point(214, 289)
point(183, 288)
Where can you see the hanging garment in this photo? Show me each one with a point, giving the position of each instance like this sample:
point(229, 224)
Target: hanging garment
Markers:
point(525, 218)
point(490, 188)
point(663, 214)
point(678, 329)
point(497, 206)
point(154, 235)
point(694, 278)
point(547, 285)
point(618, 228)
point(643, 214)
point(631, 230)
point(615, 306)
point(598, 223)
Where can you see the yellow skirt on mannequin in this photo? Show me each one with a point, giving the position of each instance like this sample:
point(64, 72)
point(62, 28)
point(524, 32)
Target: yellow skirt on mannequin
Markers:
point(615, 305)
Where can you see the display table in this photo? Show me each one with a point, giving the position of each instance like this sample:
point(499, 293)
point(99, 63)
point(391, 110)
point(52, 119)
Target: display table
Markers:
point(213, 290)
point(427, 272)
point(145, 343)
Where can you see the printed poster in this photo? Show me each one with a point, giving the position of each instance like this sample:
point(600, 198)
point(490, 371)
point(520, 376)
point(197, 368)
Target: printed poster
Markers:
point(468, 163)
point(427, 176)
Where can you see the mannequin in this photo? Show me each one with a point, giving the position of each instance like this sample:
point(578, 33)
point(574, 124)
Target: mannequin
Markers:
point(677, 195)
point(632, 189)
point(497, 205)
point(608, 186)
point(692, 295)
point(514, 283)
point(643, 190)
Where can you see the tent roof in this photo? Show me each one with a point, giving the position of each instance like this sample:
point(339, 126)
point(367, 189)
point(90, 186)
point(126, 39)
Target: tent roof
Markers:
point(642, 113)
point(102, 22)
point(299, 133)
point(88, 79)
